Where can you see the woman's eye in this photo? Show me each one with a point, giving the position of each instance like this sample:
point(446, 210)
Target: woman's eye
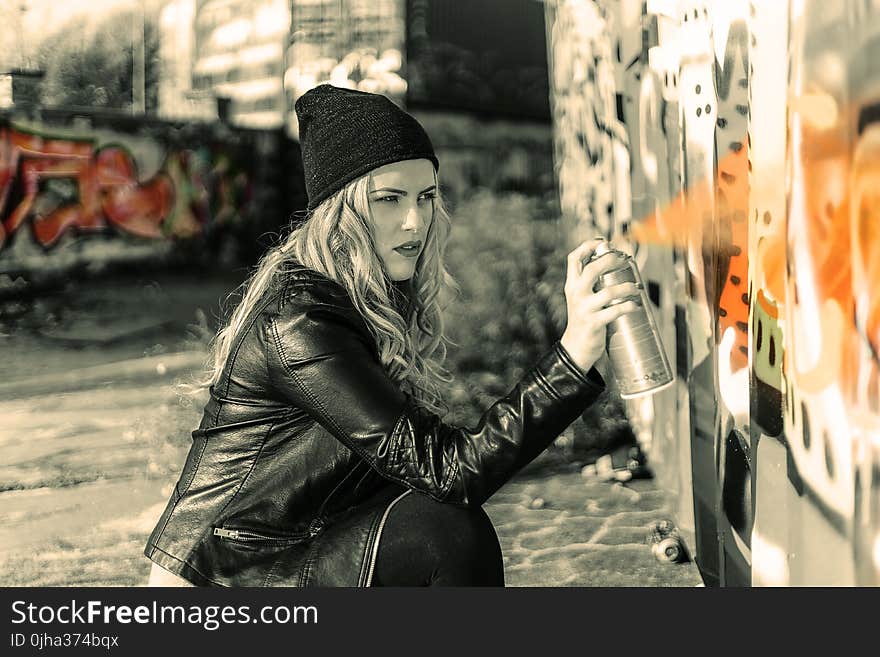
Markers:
point(427, 197)
point(388, 199)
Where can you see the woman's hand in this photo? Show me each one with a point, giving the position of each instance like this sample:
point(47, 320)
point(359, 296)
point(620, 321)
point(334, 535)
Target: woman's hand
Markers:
point(588, 311)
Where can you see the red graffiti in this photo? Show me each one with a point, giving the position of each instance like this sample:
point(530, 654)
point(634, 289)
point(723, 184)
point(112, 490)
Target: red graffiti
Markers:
point(136, 208)
point(108, 192)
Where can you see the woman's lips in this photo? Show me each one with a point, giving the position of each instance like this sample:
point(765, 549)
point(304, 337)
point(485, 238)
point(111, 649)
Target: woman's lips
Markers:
point(409, 249)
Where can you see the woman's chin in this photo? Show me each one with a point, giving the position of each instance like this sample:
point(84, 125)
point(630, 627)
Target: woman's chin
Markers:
point(402, 271)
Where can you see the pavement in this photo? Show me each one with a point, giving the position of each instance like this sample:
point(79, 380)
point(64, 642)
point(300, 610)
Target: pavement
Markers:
point(95, 430)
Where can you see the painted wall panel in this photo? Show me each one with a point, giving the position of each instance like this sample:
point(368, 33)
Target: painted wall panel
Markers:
point(750, 140)
point(80, 190)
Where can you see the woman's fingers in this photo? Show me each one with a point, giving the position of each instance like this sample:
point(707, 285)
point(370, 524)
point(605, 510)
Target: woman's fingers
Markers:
point(589, 311)
point(609, 314)
point(602, 265)
point(577, 257)
point(611, 294)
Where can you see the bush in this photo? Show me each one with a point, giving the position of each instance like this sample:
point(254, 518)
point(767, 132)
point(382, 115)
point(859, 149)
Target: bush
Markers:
point(507, 252)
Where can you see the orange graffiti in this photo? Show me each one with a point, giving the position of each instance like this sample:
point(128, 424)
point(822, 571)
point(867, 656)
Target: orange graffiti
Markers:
point(39, 158)
point(866, 222)
point(107, 188)
point(698, 205)
point(692, 207)
point(825, 169)
point(839, 193)
point(733, 210)
point(831, 255)
point(766, 305)
point(137, 208)
point(771, 256)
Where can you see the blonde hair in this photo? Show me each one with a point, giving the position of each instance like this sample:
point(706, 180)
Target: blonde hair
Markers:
point(336, 240)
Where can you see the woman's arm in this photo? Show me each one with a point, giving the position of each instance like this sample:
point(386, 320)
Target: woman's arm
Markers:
point(322, 358)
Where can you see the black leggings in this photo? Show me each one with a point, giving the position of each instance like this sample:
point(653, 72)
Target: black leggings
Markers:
point(426, 543)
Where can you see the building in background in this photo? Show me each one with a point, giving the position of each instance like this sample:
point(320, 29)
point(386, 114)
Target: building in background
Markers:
point(19, 87)
point(12, 54)
point(473, 71)
point(238, 52)
point(176, 49)
point(357, 44)
point(19, 76)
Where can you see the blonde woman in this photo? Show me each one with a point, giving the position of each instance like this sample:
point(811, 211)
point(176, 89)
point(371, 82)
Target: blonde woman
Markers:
point(322, 458)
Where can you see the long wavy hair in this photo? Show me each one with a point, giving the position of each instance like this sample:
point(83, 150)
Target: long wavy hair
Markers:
point(336, 240)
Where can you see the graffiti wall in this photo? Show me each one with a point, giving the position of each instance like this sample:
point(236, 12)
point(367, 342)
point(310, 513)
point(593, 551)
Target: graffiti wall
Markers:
point(70, 187)
point(733, 147)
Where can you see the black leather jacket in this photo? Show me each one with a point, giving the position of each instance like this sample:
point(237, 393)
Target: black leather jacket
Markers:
point(305, 444)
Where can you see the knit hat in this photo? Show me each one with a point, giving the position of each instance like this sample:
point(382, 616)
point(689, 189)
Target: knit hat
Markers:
point(346, 133)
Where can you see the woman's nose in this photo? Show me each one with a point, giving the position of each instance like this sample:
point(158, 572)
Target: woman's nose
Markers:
point(413, 218)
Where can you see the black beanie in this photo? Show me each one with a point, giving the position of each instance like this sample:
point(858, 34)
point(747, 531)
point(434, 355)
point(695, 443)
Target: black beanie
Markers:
point(346, 133)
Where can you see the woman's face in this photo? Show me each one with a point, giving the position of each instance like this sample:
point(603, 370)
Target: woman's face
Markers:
point(402, 205)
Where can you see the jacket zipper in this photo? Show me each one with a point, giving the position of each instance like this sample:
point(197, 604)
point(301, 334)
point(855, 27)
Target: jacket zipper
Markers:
point(375, 550)
point(246, 535)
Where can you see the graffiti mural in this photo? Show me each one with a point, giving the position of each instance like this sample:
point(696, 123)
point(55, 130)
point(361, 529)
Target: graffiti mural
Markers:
point(584, 118)
point(53, 183)
point(733, 147)
point(775, 497)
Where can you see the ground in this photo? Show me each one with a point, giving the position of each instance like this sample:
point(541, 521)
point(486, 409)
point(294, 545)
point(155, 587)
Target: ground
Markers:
point(95, 429)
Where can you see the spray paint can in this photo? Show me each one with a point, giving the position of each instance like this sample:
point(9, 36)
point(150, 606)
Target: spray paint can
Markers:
point(635, 350)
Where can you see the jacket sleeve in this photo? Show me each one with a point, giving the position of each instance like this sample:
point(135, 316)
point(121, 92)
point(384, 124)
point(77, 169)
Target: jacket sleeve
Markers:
point(323, 359)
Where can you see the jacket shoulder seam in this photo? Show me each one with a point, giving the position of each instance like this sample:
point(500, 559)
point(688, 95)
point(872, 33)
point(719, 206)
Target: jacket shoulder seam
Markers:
point(241, 337)
point(316, 282)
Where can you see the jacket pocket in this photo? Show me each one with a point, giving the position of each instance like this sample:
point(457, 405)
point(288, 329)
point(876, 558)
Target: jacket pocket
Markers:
point(240, 535)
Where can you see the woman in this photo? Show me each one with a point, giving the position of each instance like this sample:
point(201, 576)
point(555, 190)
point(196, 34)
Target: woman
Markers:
point(321, 458)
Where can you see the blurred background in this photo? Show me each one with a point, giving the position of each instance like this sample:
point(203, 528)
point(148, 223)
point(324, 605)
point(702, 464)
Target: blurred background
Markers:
point(158, 138)
point(149, 156)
